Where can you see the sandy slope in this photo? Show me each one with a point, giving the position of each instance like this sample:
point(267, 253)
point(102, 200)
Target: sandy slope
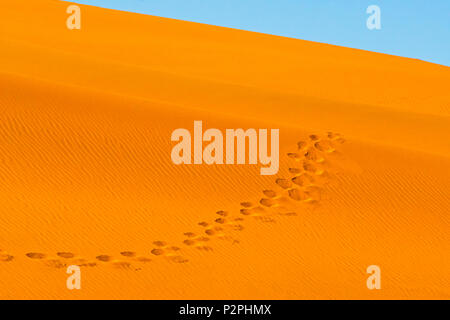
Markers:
point(86, 176)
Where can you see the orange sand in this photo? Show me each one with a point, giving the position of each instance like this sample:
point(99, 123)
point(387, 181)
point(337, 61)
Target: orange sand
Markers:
point(85, 168)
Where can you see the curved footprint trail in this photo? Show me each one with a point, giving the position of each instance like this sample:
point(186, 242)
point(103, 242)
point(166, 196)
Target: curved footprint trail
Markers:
point(310, 170)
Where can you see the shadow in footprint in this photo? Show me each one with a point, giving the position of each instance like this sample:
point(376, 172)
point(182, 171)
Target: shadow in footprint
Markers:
point(36, 255)
point(65, 255)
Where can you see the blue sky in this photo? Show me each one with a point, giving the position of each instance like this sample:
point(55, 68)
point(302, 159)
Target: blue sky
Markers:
point(411, 28)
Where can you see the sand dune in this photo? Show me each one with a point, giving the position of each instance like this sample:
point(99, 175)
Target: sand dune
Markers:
point(87, 179)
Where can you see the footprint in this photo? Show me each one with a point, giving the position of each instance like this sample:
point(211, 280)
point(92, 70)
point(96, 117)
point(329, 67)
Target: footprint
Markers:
point(5, 257)
point(303, 180)
point(220, 220)
point(189, 234)
point(238, 227)
point(295, 170)
point(217, 230)
point(172, 252)
point(312, 168)
point(36, 255)
point(298, 195)
point(267, 202)
point(159, 243)
point(55, 263)
point(302, 145)
point(324, 146)
point(294, 155)
point(189, 242)
point(270, 193)
point(222, 213)
point(164, 249)
point(335, 137)
point(332, 135)
point(157, 252)
point(84, 263)
point(256, 211)
point(246, 204)
point(313, 155)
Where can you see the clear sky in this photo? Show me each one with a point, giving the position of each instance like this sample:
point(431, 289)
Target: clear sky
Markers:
point(411, 28)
